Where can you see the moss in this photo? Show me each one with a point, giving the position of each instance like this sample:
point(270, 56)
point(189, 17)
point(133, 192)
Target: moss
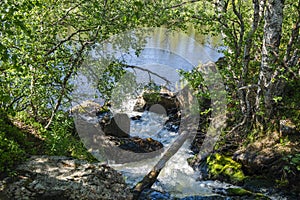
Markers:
point(244, 192)
point(152, 98)
point(238, 192)
point(86, 107)
point(103, 109)
point(224, 168)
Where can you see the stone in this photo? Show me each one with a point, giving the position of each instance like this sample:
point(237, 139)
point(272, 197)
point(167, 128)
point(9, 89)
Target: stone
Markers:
point(117, 126)
point(87, 107)
point(54, 177)
point(140, 104)
point(164, 98)
point(138, 145)
point(256, 162)
point(287, 127)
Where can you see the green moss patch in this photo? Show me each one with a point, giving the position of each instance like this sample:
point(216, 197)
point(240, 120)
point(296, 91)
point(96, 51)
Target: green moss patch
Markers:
point(244, 192)
point(152, 97)
point(224, 168)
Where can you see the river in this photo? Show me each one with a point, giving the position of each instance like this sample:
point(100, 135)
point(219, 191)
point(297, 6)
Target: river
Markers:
point(163, 53)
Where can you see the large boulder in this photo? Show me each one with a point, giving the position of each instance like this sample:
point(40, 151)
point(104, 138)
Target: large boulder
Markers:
point(164, 98)
point(273, 159)
point(44, 177)
point(257, 161)
point(138, 145)
point(89, 111)
point(262, 156)
point(117, 126)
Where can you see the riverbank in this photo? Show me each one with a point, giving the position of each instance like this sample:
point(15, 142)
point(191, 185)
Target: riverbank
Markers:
point(257, 169)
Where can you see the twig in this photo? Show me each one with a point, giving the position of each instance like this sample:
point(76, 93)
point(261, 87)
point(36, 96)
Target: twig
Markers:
point(65, 40)
point(147, 70)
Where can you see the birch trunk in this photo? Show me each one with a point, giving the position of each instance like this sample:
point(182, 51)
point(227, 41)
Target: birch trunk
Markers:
point(268, 81)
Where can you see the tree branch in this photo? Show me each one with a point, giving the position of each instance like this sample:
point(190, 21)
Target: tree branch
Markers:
point(149, 72)
point(76, 61)
point(242, 28)
point(65, 40)
point(67, 13)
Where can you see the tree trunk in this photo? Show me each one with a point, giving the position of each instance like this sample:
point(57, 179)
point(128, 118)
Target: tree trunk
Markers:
point(188, 129)
point(151, 177)
point(270, 84)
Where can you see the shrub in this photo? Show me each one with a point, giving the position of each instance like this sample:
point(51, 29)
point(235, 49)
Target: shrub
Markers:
point(11, 152)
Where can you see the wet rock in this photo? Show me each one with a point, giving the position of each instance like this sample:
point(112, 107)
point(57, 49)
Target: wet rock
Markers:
point(138, 145)
point(150, 194)
point(165, 98)
point(260, 184)
point(214, 197)
point(118, 125)
point(140, 104)
point(256, 162)
point(138, 117)
point(241, 193)
point(173, 122)
point(168, 101)
point(44, 177)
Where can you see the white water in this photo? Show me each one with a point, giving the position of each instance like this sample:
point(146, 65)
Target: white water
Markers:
point(163, 57)
point(177, 177)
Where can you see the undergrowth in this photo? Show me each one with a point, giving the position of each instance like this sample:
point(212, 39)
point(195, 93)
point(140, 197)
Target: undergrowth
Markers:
point(17, 142)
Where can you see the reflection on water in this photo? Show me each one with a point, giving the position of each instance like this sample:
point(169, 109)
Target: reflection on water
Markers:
point(164, 53)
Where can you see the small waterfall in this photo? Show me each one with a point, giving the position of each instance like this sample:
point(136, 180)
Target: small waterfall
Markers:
point(177, 177)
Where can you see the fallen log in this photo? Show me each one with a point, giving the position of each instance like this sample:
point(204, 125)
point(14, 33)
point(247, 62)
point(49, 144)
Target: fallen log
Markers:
point(188, 129)
point(151, 177)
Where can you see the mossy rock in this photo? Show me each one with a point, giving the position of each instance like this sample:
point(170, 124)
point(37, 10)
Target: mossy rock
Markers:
point(152, 97)
point(103, 109)
point(243, 192)
point(238, 192)
point(224, 168)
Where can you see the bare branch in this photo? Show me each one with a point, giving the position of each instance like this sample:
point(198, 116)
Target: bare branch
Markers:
point(147, 70)
point(67, 13)
point(65, 40)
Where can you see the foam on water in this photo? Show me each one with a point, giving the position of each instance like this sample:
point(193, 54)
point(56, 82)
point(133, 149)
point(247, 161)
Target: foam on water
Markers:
point(177, 177)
